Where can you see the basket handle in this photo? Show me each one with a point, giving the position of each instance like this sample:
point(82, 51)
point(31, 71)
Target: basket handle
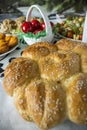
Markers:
point(84, 39)
point(45, 18)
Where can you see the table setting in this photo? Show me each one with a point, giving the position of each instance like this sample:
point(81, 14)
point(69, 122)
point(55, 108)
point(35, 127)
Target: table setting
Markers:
point(44, 46)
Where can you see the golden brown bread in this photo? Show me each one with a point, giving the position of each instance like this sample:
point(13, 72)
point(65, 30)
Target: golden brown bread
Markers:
point(77, 98)
point(37, 51)
point(20, 71)
point(58, 66)
point(49, 83)
point(41, 102)
point(7, 42)
point(66, 45)
point(2, 35)
point(7, 38)
point(13, 41)
point(3, 46)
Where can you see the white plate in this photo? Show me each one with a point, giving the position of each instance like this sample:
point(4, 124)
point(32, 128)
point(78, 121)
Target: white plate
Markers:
point(1, 55)
point(58, 34)
point(60, 20)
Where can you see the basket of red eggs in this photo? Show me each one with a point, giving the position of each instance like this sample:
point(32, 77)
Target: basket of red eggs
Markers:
point(34, 30)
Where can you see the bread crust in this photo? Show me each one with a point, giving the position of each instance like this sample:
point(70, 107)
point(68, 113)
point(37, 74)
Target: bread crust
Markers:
point(49, 83)
point(39, 50)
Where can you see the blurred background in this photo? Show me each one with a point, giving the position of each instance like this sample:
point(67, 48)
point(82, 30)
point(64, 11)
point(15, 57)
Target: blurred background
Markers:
point(59, 6)
point(15, 8)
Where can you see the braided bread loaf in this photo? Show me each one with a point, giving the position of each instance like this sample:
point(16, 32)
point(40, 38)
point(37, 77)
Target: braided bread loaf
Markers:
point(49, 83)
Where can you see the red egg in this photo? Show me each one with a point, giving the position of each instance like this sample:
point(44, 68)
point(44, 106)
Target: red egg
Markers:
point(27, 27)
point(36, 24)
point(43, 26)
point(37, 31)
